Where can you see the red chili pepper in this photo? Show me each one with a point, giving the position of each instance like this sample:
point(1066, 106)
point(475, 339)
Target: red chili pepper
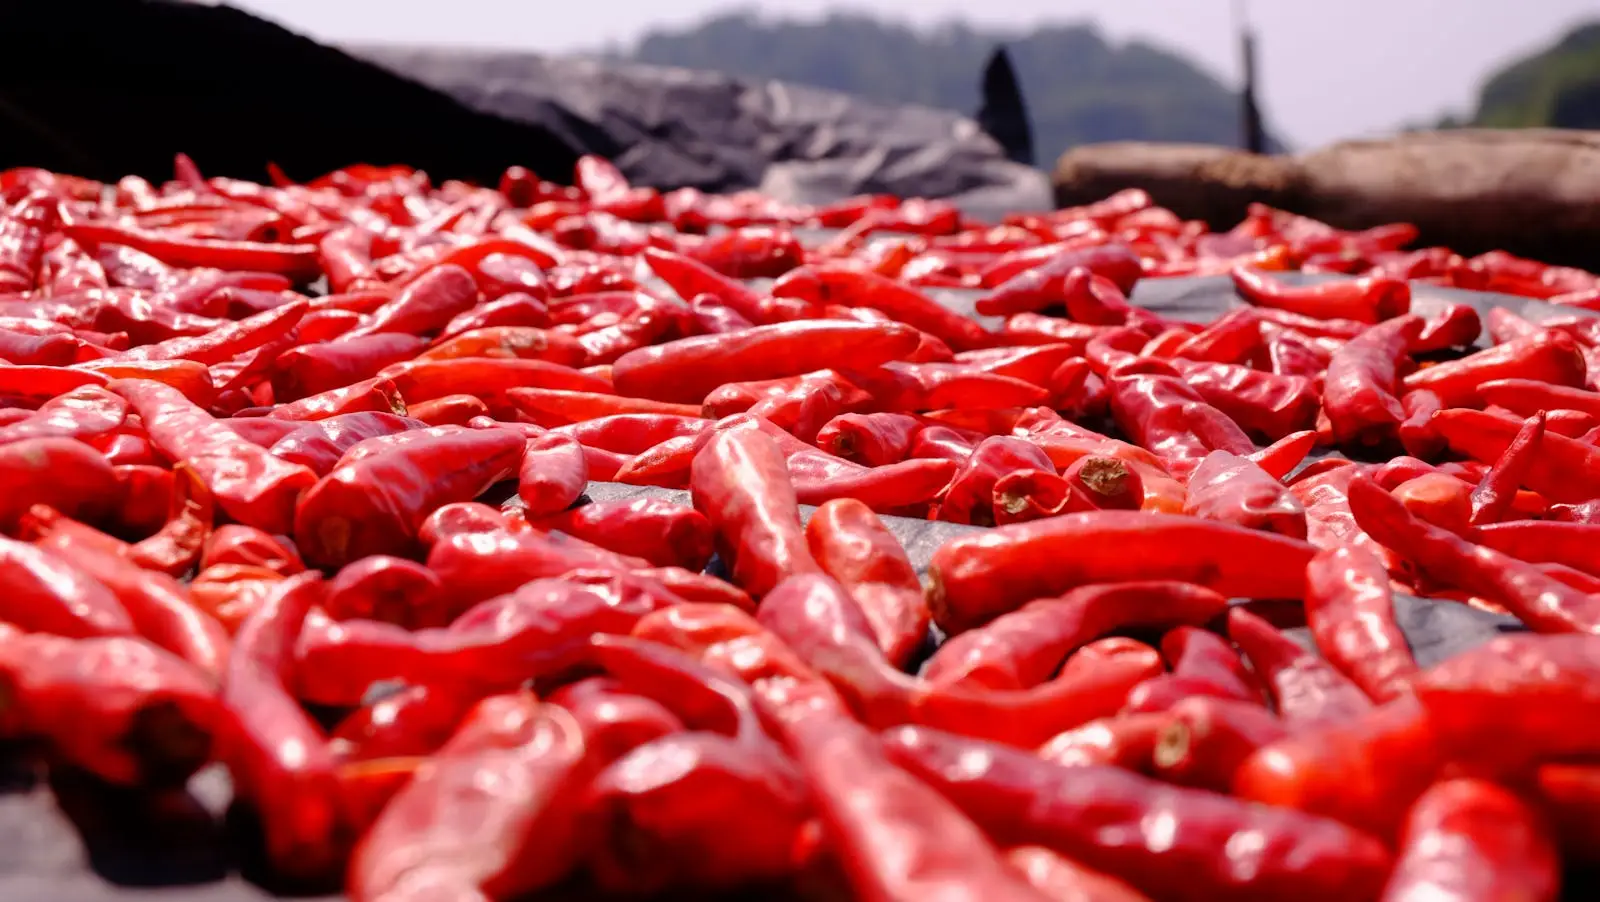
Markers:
point(23, 230)
point(1032, 279)
point(527, 342)
point(1127, 741)
point(1451, 326)
point(855, 288)
point(741, 484)
point(691, 278)
point(1063, 880)
point(1548, 356)
point(1536, 688)
point(493, 813)
point(297, 261)
point(739, 397)
point(1470, 839)
point(374, 505)
point(280, 760)
point(1438, 498)
point(1232, 489)
point(231, 543)
point(1350, 610)
point(1265, 404)
point(615, 721)
point(1021, 799)
point(1493, 496)
point(65, 474)
point(1365, 300)
point(1306, 689)
point(510, 311)
point(252, 486)
point(450, 410)
point(1025, 648)
point(975, 578)
point(1203, 664)
point(1359, 395)
point(118, 708)
point(1205, 740)
point(175, 548)
point(1539, 601)
point(387, 589)
point(1159, 411)
point(661, 532)
point(478, 566)
point(487, 377)
point(853, 546)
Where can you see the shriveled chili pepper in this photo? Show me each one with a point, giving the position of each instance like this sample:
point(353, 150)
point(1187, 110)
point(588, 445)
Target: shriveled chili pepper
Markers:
point(855, 288)
point(1350, 609)
point(481, 565)
point(1526, 397)
point(975, 578)
point(1032, 284)
point(1539, 601)
point(486, 377)
point(661, 532)
point(1471, 839)
point(316, 368)
point(1359, 394)
point(374, 505)
point(493, 813)
point(1548, 356)
point(1026, 647)
point(615, 721)
point(1365, 300)
point(425, 305)
point(853, 546)
point(1206, 739)
point(1232, 489)
point(1438, 498)
point(297, 261)
point(1558, 468)
point(1162, 413)
point(85, 413)
point(1306, 689)
point(741, 484)
point(1492, 497)
point(48, 595)
point(280, 759)
point(1020, 798)
point(254, 487)
point(117, 707)
point(176, 547)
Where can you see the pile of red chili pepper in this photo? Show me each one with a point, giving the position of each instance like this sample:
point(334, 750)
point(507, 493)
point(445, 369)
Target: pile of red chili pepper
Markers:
point(291, 481)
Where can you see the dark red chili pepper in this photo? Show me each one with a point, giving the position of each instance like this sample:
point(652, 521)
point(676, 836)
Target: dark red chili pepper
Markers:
point(175, 548)
point(316, 368)
point(1451, 326)
point(853, 546)
point(975, 578)
point(1019, 798)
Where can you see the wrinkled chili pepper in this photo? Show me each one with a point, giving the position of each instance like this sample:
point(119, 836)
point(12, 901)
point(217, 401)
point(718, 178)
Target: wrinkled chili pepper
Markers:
point(741, 484)
point(1469, 838)
point(1492, 497)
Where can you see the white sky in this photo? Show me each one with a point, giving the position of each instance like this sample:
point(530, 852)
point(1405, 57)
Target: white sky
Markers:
point(1330, 69)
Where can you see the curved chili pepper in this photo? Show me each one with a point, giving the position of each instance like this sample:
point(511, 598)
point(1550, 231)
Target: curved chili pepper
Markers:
point(1162, 413)
point(857, 288)
point(1206, 739)
point(1025, 648)
point(1020, 798)
point(969, 498)
point(1548, 356)
point(1469, 838)
point(1492, 497)
point(493, 813)
point(1359, 392)
point(1203, 664)
point(297, 261)
point(1558, 467)
point(975, 578)
point(1451, 326)
point(516, 310)
point(280, 760)
point(554, 407)
point(553, 474)
point(387, 589)
point(374, 505)
point(1365, 300)
point(1127, 741)
point(480, 565)
point(1034, 283)
point(739, 397)
point(1539, 601)
point(661, 532)
point(231, 543)
point(528, 342)
point(176, 547)
point(1307, 689)
point(486, 377)
point(691, 278)
point(1033, 364)
point(316, 368)
point(1262, 403)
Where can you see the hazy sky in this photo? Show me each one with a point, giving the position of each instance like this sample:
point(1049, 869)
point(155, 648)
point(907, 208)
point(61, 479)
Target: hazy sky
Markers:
point(1330, 70)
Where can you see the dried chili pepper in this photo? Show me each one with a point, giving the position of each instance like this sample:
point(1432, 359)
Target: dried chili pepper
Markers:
point(741, 484)
point(1468, 838)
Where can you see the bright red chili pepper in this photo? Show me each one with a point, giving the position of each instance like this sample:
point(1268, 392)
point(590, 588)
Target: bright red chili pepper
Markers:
point(1207, 738)
point(1365, 300)
point(1471, 839)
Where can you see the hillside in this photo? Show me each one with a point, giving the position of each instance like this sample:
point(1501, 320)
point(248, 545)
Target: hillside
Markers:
point(1557, 87)
point(1078, 87)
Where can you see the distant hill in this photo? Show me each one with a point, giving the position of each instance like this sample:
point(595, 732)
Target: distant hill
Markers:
point(1078, 87)
point(1558, 87)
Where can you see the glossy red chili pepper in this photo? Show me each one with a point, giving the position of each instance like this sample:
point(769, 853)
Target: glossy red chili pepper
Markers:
point(1306, 689)
point(662, 532)
point(1025, 648)
point(1366, 300)
point(481, 565)
point(1232, 489)
point(975, 578)
point(1492, 497)
point(1020, 798)
point(281, 762)
point(60, 472)
point(1451, 326)
point(1557, 470)
point(1063, 880)
point(176, 547)
point(1205, 739)
point(116, 707)
point(231, 543)
point(1127, 741)
point(853, 546)
point(1350, 610)
point(47, 595)
point(1471, 839)
point(856, 288)
point(375, 504)
point(502, 796)
point(1032, 283)
point(1438, 498)
point(297, 261)
point(1548, 356)
point(1539, 601)
point(741, 484)
point(1359, 394)
point(1203, 664)
point(1163, 414)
